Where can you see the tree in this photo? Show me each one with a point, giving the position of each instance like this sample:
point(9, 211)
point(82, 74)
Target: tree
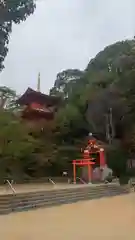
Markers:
point(7, 98)
point(65, 81)
point(111, 82)
point(12, 11)
point(106, 83)
point(15, 144)
point(117, 160)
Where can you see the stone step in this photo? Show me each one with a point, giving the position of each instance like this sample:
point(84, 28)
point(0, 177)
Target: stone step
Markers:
point(64, 200)
point(42, 194)
point(47, 194)
point(83, 187)
point(54, 193)
point(57, 195)
point(57, 191)
point(27, 201)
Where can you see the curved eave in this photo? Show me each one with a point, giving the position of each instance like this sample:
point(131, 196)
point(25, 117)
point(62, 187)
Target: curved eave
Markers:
point(33, 96)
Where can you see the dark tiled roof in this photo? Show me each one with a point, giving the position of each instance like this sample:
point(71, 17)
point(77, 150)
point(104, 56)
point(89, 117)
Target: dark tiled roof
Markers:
point(33, 96)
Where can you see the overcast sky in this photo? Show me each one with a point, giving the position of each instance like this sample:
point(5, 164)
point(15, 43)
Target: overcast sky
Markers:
point(64, 34)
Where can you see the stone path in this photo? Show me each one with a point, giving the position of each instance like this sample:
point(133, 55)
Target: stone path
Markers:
point(108, 219)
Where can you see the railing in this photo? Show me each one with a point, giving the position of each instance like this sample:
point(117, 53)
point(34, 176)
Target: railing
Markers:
point(51, 181)
point(81, 180)
point(10, 185)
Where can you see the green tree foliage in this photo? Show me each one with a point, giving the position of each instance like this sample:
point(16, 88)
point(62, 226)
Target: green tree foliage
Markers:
point(106, 83)
point(11, 11)
point(15, 144)
point(65, 81)
point(7, 98)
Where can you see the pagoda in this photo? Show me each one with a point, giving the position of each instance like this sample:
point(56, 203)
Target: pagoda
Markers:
point(38, 106)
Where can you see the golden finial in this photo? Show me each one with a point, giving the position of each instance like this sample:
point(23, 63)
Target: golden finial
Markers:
point(38, 83)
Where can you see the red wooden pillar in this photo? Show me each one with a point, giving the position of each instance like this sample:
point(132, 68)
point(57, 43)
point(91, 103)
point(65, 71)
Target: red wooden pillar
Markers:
point(102, 157)
point(74, 171)
point(89, 172)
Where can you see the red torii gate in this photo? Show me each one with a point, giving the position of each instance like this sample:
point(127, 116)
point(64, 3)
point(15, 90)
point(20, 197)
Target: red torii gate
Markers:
point(80, 163)
point(88, 160)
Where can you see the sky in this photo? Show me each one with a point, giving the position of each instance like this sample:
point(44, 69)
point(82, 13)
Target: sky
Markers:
point(63, 34)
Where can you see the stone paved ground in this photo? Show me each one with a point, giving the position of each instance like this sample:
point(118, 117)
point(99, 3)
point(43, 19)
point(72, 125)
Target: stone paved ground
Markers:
point(107, 219)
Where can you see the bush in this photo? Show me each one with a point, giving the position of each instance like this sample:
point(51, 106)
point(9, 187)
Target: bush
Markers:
point(123, 180)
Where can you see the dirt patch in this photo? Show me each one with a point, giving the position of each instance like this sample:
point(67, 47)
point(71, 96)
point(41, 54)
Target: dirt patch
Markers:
point(108, 219)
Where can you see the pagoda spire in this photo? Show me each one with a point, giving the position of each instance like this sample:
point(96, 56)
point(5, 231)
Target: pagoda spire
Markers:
point(38, 83)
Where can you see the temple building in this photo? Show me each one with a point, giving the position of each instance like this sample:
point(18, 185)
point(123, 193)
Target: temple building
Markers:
point(38, 106)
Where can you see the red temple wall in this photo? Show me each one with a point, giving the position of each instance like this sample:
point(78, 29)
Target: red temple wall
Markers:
point(37, 106)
